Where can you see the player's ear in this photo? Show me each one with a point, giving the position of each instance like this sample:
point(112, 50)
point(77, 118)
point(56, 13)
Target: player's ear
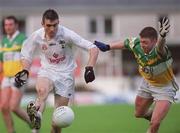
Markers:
point(42, 23)
point(154, 41)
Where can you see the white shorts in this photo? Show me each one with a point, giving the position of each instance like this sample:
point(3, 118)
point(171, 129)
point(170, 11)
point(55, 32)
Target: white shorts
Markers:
point(63, 82)
point(8, 82)
point(167, 92)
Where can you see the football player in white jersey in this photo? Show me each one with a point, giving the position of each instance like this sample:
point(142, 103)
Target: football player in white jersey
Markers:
point(57, 64)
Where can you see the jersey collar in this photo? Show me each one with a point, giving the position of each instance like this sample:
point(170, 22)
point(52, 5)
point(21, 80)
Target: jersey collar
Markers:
point(13, 36)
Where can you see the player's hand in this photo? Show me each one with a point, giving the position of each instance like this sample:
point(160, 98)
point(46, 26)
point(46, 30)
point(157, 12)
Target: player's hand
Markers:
point(164, 26)
point(102, 46)
point(21, 78)
point(89, 74)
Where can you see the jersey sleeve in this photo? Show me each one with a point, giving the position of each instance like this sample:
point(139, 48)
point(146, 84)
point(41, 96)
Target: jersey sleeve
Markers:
point(74, 38)
point(28, 48)
point(126, 43)
point(166, 56)
point(129, 43)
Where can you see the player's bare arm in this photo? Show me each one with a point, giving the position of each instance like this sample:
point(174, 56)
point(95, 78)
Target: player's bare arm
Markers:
point(163, 30)
point(117, 45)
point(26, 64)
point(93, 54)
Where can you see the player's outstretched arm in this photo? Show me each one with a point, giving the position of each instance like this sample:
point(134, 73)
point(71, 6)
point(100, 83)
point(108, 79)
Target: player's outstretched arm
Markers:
point(164, 26)
point(26, 59)
point(106, 47)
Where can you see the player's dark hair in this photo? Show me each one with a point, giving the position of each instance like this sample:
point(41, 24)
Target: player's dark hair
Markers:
point(148, 32)
point(50, 14)
point(11, 17)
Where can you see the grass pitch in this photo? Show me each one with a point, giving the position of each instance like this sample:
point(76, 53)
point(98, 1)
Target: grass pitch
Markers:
point(116, 118)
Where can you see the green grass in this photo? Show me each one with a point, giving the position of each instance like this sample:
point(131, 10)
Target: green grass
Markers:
point(104, 119)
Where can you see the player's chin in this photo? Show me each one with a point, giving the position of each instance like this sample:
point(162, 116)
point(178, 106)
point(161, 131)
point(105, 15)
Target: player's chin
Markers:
point(52, 34)
point(145, 49)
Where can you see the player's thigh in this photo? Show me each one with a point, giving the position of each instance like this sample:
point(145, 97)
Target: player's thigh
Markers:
point(43, 86)
point(15, 100)
point(60, 100)
point(142, 104)
point(161, 109)
point(5, 97)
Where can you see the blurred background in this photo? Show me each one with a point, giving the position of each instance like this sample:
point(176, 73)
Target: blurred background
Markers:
point(117, 77)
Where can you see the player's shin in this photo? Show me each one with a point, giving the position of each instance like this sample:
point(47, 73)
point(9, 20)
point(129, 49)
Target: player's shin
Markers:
point(40, 104)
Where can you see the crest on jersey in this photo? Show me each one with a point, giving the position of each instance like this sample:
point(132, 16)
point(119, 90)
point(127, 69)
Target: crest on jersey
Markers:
point(62, 43)
point(44, 47)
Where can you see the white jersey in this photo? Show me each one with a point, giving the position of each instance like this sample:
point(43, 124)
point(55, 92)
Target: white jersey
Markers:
point(57, 53)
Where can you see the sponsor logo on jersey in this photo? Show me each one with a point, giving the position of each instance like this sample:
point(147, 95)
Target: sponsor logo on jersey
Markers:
point(57, 60)
point(52, 44)
point(61, 41)
point(55, 55)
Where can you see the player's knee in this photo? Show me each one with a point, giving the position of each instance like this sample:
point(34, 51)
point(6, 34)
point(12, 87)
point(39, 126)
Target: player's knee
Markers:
point(5, 108)
point(13, 108)
point(42, 92)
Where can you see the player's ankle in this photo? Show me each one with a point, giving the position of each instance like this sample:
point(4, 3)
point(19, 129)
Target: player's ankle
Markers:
point(39, 114)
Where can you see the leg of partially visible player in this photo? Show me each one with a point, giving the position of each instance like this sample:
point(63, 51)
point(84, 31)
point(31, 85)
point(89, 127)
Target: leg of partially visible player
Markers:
point(0, 99)
point(15, 105)
point(59, 101)
point(5, 108)
point(1, 77)
point(161, 109)
point(142, 107)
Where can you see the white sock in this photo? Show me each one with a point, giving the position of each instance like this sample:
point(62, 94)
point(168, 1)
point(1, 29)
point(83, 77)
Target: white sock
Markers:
point(40, 114)
point(35, 131)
